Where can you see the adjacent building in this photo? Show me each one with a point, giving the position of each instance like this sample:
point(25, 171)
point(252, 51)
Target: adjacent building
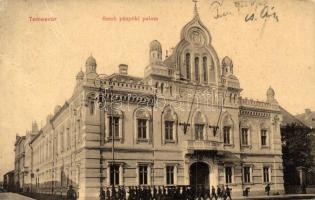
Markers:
point(8, 181)
point(23, 159)
point(183, 123)
point(308, 118)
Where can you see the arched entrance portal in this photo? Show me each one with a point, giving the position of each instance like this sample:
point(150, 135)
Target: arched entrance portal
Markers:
point(199, 174)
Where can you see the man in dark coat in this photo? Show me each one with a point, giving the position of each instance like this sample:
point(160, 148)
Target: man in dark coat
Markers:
point(267, 189)
point(102, 194)
point(213, 194)
point(228, 192)
point(71, 194)
point(219, 192)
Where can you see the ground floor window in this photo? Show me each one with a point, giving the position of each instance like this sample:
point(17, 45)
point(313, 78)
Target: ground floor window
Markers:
point(266, 174)
point(247, 174)
point(228, 174)
point(170, 175)
point(143, 175)
point(114, 174)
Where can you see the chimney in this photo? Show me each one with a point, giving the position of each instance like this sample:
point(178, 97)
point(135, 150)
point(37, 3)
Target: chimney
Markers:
point(123, 69)
point(308, 111)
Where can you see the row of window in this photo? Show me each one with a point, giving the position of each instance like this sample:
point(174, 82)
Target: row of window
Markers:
point(142, 131)
point(245, 137)
point(196, 68)
point(247, 174)
point(143, 174)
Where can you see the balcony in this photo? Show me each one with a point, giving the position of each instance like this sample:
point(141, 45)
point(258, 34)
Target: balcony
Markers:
point(202, 145)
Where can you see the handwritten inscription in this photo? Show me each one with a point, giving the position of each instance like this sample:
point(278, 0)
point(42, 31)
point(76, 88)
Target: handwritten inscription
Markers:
point(265, 13)
point(219, 13)
point(249, 10)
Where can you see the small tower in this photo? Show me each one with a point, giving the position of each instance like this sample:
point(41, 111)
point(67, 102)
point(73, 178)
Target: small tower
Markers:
point(271, 95)
point(227, 66)
point(79, 77)
point(90, 65)
point(155, 51)
point(34, 128)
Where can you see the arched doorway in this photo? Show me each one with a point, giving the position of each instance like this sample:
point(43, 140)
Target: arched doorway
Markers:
point(199, 174)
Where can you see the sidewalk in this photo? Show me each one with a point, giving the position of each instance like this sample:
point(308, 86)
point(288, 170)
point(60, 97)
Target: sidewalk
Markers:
point(286, 196)
point(13, 196)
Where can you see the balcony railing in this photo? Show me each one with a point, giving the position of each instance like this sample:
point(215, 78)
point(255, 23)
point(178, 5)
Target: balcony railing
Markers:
point(203, 145)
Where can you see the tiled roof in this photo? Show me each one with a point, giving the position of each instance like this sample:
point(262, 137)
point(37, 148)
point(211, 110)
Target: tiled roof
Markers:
point(288, 118)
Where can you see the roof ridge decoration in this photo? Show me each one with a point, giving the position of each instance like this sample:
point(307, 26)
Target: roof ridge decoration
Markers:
point(196, 26)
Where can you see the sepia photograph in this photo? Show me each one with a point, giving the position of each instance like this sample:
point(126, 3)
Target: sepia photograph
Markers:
point(157, 100)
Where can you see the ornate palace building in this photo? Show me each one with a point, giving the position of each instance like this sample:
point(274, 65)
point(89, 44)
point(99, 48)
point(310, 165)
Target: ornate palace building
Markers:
point(183, 123)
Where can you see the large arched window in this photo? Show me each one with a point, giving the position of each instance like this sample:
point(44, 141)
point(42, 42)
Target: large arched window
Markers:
point(169, 120)
point(200, 123)
point(187, 64)
point(205, 69)
point(197, 69)
point(142, 125)
point(212, 71)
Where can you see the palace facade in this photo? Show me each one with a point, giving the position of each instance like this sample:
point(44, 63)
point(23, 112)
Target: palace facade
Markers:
point(183, 123)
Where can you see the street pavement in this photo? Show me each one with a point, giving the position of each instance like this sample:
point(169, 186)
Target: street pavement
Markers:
point(279, 197)
point(13, 196)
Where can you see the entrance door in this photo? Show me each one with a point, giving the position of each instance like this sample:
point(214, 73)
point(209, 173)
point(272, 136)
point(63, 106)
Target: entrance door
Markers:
point(199, 174)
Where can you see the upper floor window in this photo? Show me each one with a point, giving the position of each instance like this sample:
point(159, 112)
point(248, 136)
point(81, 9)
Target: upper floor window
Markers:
point(142, 122)
point(68, 139)
point(227, 134)
point(199, 129)
point(245, 136)
point(187, 63)
point(169, 130)
point(92, 107)
point(142, 128)
point(169, 119)
point(162, 88)
point(62, 141)
point(263, 135)
point(114, 126)
point(197, 69)
point(205, 69)
point(199, 126)
point(227, 130)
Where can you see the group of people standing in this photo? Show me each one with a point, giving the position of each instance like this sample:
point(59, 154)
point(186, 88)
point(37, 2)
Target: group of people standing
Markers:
point(165, 193)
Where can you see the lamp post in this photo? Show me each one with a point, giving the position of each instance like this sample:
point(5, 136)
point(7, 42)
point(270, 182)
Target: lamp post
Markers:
point(105, 100)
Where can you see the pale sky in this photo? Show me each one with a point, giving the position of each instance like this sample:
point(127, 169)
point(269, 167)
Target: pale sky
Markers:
point(39, 60)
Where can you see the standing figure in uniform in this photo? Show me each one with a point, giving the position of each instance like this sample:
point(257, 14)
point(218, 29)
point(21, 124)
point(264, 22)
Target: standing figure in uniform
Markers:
point(71, 194)
point(102, 194)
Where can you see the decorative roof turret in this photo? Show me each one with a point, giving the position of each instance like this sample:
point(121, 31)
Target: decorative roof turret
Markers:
point(90, 65)
point(155, 51)
point(80, 75)
point(271, 96)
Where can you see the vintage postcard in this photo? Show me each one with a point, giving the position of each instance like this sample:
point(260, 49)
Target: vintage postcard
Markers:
point(155, 99)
